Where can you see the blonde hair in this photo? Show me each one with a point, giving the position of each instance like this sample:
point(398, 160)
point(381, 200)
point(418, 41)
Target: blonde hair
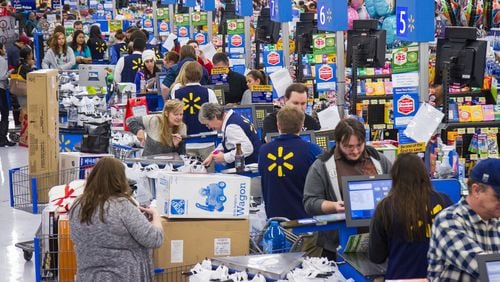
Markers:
point(167, 129)
point(181, 77)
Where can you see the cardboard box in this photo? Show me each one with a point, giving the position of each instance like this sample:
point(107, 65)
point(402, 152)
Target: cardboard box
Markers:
point(70, 161)
point(43, 126)
point(191, 241)
point(203, 195)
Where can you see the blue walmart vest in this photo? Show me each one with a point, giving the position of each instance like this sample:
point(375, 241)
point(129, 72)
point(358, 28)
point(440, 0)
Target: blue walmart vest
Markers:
point(250, 132)
point(132, 64)
point(193, 97)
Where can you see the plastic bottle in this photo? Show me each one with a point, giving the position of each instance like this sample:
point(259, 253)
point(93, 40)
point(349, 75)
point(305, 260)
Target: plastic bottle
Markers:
point(274, 239)
point(143, 85)
point(239, 159)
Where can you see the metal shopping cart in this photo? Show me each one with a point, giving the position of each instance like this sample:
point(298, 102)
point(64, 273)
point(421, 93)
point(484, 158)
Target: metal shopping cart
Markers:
point(293, 241)
point(123, 152)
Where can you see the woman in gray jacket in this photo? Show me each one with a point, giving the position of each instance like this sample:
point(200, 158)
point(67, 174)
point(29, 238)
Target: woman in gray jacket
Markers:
point(112, 236)
point(59, 56)
point(350, 156)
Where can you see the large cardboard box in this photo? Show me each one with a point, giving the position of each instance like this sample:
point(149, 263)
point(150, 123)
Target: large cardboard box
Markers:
point(188, 241)
point(69, 162)
point(181, 195)
point(43, 128)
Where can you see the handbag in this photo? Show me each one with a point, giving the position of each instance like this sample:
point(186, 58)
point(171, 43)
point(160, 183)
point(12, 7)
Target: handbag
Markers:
point(136, 107)
point(96, 137)
point(18, 85)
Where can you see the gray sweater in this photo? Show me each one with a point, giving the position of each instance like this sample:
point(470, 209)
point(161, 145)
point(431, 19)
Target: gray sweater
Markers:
point(61, 62)
point(4, 73)
point(318, 188)
point(151, 126)
point(118, 250)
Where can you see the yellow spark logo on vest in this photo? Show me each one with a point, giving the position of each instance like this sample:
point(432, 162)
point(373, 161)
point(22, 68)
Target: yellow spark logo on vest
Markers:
point(100, 47)
point(191, 103)
point(124, 48)
point(280, 161)
point(157, 53)
point(137, 64)
point(252, 127)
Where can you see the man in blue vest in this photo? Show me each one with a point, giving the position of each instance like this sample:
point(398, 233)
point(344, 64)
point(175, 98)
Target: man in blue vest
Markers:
point(283, 164)
point(128, 66)
point(235, 130)
point(193, 95)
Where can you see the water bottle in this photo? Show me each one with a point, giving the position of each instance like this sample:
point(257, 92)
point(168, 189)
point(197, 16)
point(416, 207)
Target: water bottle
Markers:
point(274, 239)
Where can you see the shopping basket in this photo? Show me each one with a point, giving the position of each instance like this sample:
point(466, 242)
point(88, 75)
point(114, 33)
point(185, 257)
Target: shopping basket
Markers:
point(29, 192)
point(293, 241)
point(123, 152)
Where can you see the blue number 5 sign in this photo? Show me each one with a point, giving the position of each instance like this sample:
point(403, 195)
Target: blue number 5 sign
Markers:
point(332, 15)
point(402, 21)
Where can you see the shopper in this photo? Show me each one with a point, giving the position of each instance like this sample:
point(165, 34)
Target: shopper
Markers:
point(193, 95)
point(4, 105)
point(96, 44)
point(253, 77)
point(237, 82)
point(187, 54)
point(235, 130)
point(204, 61)
point(164, 131)
point(296, 96)
point(400, 228)
point(128, 66)
point(119, 49)
point(80, 49)
point(351, 156)
point(15, 49)
point(147, 73)
point(110, 232)
point(31, 25)
point(59, 56)
point(26, 63)
point(468, 228)
point(282, 166)
point(171, 58)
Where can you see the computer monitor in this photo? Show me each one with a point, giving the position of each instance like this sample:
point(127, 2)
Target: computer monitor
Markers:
point(361, 194)
point(466, 56)
point(93, 75)
point(323, 138)
point(489, 267)
point(219, 90)
point(262, 110)
point(246, 111)
point(368, 42)
point(160, 76)
point(305, 135)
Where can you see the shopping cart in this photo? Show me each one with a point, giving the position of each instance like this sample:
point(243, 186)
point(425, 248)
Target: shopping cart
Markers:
point(293, 241)
point(29, 192)
point(123, 152)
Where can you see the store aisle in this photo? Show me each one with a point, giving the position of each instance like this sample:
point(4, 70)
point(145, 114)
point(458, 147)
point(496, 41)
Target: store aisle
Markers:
point(15, 226)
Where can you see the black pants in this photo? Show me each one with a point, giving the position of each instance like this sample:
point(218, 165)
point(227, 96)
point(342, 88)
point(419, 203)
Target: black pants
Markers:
point(16, 109)
point(4, 112)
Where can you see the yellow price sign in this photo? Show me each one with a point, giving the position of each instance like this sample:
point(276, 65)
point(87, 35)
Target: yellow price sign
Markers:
point(261, 88)
point(412, 147)
point(220, 70)
point(291, 45)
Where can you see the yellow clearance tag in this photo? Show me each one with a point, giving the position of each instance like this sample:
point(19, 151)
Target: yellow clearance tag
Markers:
point(412, 147)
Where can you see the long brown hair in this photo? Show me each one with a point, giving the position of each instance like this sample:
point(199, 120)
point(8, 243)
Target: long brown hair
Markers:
point(54, 45)
point(167, 129)
point(409, 198)
point(107, 180)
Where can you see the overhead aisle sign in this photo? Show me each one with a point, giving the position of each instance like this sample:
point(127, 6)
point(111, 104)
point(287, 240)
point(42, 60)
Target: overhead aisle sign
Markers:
point(414, 20)
point(244, 8)
point(208, 5)
point(281, 10)
point(332, 15)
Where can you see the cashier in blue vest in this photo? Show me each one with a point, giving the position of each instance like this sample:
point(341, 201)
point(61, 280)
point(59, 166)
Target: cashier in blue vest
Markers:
point(193, 95)
point(127, 67)
point(283, 166)
point(235, 129)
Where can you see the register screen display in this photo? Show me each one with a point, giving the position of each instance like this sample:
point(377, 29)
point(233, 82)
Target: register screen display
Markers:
point(244, 112)
point(365, 195)
point(493, 270)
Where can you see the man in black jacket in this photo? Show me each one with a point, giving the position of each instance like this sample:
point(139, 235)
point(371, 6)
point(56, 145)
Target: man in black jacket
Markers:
point(237, 82)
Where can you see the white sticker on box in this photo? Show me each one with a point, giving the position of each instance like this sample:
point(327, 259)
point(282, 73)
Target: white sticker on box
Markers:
point(222, 246)
point(177, 251)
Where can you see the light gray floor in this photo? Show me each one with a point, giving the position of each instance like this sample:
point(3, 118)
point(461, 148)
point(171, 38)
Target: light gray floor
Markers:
point(15, 226)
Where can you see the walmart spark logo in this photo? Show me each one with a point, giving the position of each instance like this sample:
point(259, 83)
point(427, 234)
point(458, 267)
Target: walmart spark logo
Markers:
point(137, 64)
point(100, 47)
point(191, 103)
point(157, 53)
point(65, 144)
point(252, 127)
point(280, 161)
point(124, 48)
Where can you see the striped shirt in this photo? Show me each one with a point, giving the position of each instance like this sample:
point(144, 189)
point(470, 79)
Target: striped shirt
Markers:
point(458, 236)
